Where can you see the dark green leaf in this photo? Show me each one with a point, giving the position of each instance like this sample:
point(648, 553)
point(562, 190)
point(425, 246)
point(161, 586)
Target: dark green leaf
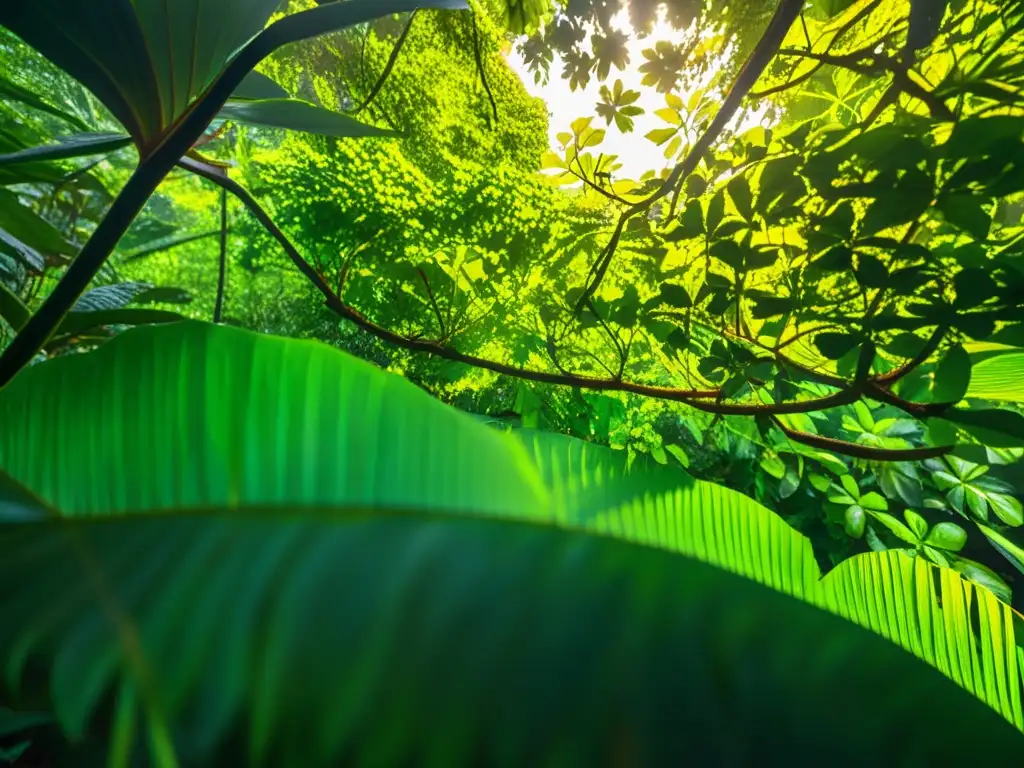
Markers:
point(952, 376)
point(626, 308)
point(360, 622)
point(296, 115)
point(676, 295)
point(716, 210)
point(771, 306)
point(27, 255)
point(110, 296)
point(257, 86)
point(968, 212)
point(80, 145)
point(75, 323)
point(835, 345)
point(974, 286)
point(148, 60)
point(731, 253)
point(739, 193)
point(837, 259)
point(761, 258)
point(871, 272)
point(902, 205)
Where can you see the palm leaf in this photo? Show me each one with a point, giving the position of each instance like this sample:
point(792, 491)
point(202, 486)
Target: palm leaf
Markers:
point(908, 601)
point(322, 638)
point(959, 628)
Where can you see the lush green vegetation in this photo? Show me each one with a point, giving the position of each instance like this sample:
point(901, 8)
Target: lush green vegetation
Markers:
point(607, 465)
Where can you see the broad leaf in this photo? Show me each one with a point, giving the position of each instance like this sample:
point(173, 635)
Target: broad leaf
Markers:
point(999, 377)
point(110, 296)
point(664, 507)
point(236, 419)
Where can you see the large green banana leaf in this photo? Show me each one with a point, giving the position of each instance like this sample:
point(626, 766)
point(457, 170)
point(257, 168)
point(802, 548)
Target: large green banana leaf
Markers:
point(195, 416)
point(323, 638)
point(961, 629)
point(192, 416)
point(593, 487)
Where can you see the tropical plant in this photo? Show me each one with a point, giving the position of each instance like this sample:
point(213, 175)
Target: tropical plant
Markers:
point(816, 300)
point(388, 571)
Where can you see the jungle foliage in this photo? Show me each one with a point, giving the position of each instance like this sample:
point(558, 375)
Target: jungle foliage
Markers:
point(786, 366)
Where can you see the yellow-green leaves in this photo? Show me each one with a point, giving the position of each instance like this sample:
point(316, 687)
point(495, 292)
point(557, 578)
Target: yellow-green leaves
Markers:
point(148, 61)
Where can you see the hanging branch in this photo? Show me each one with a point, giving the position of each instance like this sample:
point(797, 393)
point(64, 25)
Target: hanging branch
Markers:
point(218, 307)
point(878, 64)
point(480, 67)
point(839, 35)
point(392, 59)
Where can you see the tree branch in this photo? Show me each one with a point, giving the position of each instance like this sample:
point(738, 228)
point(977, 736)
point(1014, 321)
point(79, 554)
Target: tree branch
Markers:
point(840, 33)
point(692, 397)
point(875, 64)
point(856, 451)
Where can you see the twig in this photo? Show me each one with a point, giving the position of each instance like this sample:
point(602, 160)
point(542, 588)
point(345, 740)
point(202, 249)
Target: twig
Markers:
point(695, 398)
point(480, 67)
point(433, 303)
point(218, 307)
point(875, 64)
